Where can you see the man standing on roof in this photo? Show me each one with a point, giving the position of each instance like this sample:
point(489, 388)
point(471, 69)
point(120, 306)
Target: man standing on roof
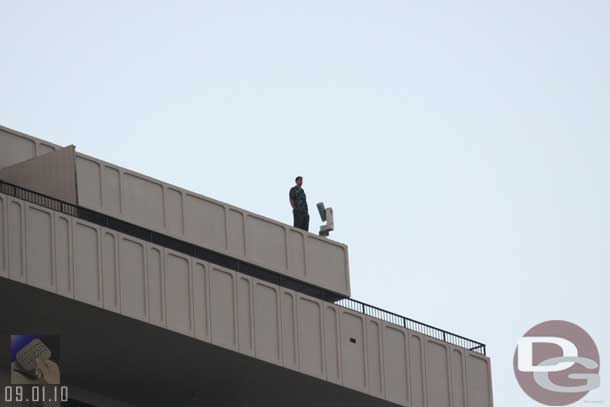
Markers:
point(298, 201)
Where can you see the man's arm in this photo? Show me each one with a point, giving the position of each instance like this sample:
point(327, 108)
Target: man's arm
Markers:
point(292, 198)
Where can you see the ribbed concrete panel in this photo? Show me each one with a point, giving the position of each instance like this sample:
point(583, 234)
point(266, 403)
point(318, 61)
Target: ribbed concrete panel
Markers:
point(110, 271)
point(457, 378)
point(265, 241)
point(374, 358)
point(223, 308)
point(39, 254)
point(244, 306)
point(206, 222)
point(178, 293)
point(15, 148)
point(417, 373)
point(237, 238)
point(479, 381)
point(87, 263)
point(132, 271)
point(143, 201)
point(267, 325)
point(311, 338)
point(296, 254)
point(437, 372)
point(156, 283)
point(111, 190)
point(332, 345)
point(89, 183)
point(204, 301)
point(16, 247)
point(200, 301)
point(324, 259)
point(174, 211)
point(63, 255)
point(289, 330)
point(353, 360)
point(395, 365)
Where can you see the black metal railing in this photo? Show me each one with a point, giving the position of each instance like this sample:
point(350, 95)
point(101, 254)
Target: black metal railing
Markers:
point(38, 199)
point(236, 265)
point(412, 325)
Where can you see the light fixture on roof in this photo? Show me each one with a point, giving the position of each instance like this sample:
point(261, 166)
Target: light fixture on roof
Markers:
point(327, 216)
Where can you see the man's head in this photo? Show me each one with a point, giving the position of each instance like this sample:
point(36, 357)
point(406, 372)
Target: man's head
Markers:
point(299, 181)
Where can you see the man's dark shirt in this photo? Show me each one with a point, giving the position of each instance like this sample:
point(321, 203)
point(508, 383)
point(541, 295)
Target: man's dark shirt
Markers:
point(297, 195)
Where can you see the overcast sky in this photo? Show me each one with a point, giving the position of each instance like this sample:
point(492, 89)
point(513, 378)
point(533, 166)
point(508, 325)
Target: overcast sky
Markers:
point(465, 146)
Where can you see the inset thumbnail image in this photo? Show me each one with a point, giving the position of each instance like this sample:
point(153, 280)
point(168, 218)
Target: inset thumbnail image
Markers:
point(35, 359)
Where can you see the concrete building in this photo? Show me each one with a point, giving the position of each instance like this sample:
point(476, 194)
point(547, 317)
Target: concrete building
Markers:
point(161, 296)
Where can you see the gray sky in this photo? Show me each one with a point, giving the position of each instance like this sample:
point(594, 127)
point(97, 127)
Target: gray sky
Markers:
point(464, 145)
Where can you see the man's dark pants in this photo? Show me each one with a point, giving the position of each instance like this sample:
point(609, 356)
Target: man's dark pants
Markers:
point(301, 219)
